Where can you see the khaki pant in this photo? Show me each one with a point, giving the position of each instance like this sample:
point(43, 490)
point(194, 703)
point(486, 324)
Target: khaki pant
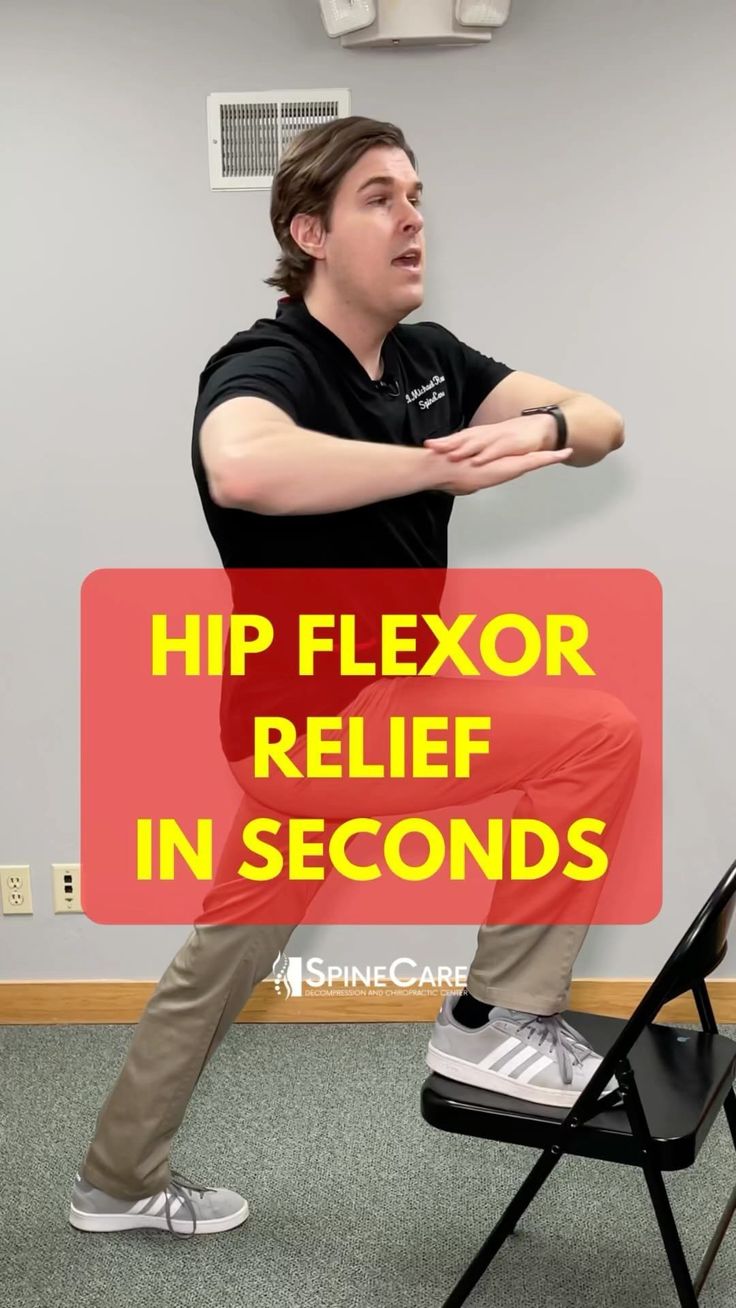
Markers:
point(585, 757)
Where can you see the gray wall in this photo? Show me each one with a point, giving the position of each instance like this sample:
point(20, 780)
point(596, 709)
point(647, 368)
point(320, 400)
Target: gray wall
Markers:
point(580, 206)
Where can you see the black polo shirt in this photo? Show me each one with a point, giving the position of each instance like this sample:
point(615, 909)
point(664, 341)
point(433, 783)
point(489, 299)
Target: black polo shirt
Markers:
point(431, 385)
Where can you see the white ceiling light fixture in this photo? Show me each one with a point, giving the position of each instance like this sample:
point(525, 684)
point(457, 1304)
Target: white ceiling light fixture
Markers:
point(343, 16)
point(482, 13)
point(400, 23)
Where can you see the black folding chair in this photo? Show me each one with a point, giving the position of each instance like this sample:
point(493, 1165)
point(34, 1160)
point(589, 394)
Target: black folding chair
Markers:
point(672, 1084)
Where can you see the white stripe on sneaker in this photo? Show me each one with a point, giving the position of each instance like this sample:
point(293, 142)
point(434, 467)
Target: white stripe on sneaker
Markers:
point(141, 1204)
point(525, 1077)
point(177, 1204)
point(517, 1060)
point(499, 1052)
point(158, 1203)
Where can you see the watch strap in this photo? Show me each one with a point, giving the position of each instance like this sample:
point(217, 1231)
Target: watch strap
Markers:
point(559, 418)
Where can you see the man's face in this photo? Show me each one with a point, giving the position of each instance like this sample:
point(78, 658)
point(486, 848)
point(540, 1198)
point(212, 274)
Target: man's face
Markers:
point(375, 221)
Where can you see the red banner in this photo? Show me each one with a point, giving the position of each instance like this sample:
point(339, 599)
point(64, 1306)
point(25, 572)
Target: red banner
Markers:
point(371, 746)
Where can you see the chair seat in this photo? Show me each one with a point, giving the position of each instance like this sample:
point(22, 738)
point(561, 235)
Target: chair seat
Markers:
point(682, 1076)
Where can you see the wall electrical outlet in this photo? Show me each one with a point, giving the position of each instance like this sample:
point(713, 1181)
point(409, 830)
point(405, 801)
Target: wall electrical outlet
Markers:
point(15, 889)
point(67, 887)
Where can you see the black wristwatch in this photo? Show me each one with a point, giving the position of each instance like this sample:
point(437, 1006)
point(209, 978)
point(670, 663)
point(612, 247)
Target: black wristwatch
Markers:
point(559, 418)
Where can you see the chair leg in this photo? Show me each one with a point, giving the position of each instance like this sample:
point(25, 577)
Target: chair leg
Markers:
point(503, 1228)
point(715, 1244)
point(670, 1235)
point(729, 1108)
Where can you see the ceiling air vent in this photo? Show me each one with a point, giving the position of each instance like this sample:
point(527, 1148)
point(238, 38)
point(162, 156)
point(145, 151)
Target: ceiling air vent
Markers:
point(248, 132)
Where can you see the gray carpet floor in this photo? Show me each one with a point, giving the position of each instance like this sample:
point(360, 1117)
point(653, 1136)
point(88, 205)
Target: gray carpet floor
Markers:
point(355, 1201)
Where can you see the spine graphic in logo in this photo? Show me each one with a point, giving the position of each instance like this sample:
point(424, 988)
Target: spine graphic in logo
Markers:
point(287, 975)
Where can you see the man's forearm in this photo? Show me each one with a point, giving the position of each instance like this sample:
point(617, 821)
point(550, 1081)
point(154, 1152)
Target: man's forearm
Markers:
point(593, 429)
point(296, 471)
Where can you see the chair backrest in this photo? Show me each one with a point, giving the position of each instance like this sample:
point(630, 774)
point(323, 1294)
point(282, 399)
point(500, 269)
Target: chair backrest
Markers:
point(698, 953)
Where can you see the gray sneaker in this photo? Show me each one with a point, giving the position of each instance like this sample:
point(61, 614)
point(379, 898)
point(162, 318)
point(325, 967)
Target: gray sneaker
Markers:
point(182, 1208)
point(541, 1059)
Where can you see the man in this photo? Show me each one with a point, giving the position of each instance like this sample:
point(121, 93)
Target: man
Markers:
point(332, 436)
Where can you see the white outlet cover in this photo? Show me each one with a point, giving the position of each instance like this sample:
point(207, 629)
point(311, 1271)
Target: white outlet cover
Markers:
point(15, 890)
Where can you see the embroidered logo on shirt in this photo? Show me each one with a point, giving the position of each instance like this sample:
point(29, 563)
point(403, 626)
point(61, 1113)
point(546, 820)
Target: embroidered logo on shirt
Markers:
point(424, 391)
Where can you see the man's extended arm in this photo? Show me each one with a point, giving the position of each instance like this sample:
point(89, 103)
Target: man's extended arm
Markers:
point(594, 428)
point(255, 457)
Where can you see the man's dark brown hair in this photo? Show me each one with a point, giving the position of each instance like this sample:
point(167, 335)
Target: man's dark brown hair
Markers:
point(309, 174)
